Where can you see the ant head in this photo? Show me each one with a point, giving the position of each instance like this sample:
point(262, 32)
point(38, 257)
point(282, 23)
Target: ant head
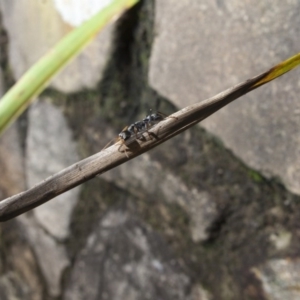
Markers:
point(124, 135)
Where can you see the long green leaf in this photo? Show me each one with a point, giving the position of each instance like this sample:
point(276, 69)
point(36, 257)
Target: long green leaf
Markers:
point(33, 82)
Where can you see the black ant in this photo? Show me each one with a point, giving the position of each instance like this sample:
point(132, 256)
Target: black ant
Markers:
point(141, 126)
point(138, 128)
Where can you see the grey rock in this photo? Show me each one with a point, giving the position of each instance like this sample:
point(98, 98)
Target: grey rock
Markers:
point(199, 293)
point(51, 256)
point(12, 179)
point(49, 150)
point(13, 288)
point(36, 26)
point(202, 48)
point(122, 259)
point(152, 178)
point(281, 238)
point(22, 261)
point(203, 212)
point(280, 278)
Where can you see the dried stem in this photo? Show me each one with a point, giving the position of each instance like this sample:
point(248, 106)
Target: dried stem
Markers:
point(110, 158)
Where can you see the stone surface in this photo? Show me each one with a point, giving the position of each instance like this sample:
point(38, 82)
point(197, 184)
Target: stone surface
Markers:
point(281, 239)
point(21, 281)
point(25, 265)
point(153, 179)
point(12, 180)
point(123, 259)
point(50, 149)
point(280, 279)
point(35, 26)
point(12, 288)
point(202, 48)
point(51, 256)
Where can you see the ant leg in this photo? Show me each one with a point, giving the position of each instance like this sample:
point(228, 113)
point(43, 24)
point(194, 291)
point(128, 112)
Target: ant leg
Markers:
point(123, 144)
point(165, 116)
point(135, 132)
point(161, 114)
point(150, 134)
point(108, 144)
point(126, 154)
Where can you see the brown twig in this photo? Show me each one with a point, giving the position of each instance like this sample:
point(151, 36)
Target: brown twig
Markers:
point(111, 157)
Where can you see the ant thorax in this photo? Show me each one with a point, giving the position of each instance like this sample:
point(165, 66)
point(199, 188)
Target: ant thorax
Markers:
point(137, 127)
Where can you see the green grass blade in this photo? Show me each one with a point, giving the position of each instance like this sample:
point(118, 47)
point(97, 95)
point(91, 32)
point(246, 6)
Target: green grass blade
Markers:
point(32, 83)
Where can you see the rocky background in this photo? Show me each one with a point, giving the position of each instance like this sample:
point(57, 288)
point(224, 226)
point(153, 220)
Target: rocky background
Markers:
point(212, 214)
